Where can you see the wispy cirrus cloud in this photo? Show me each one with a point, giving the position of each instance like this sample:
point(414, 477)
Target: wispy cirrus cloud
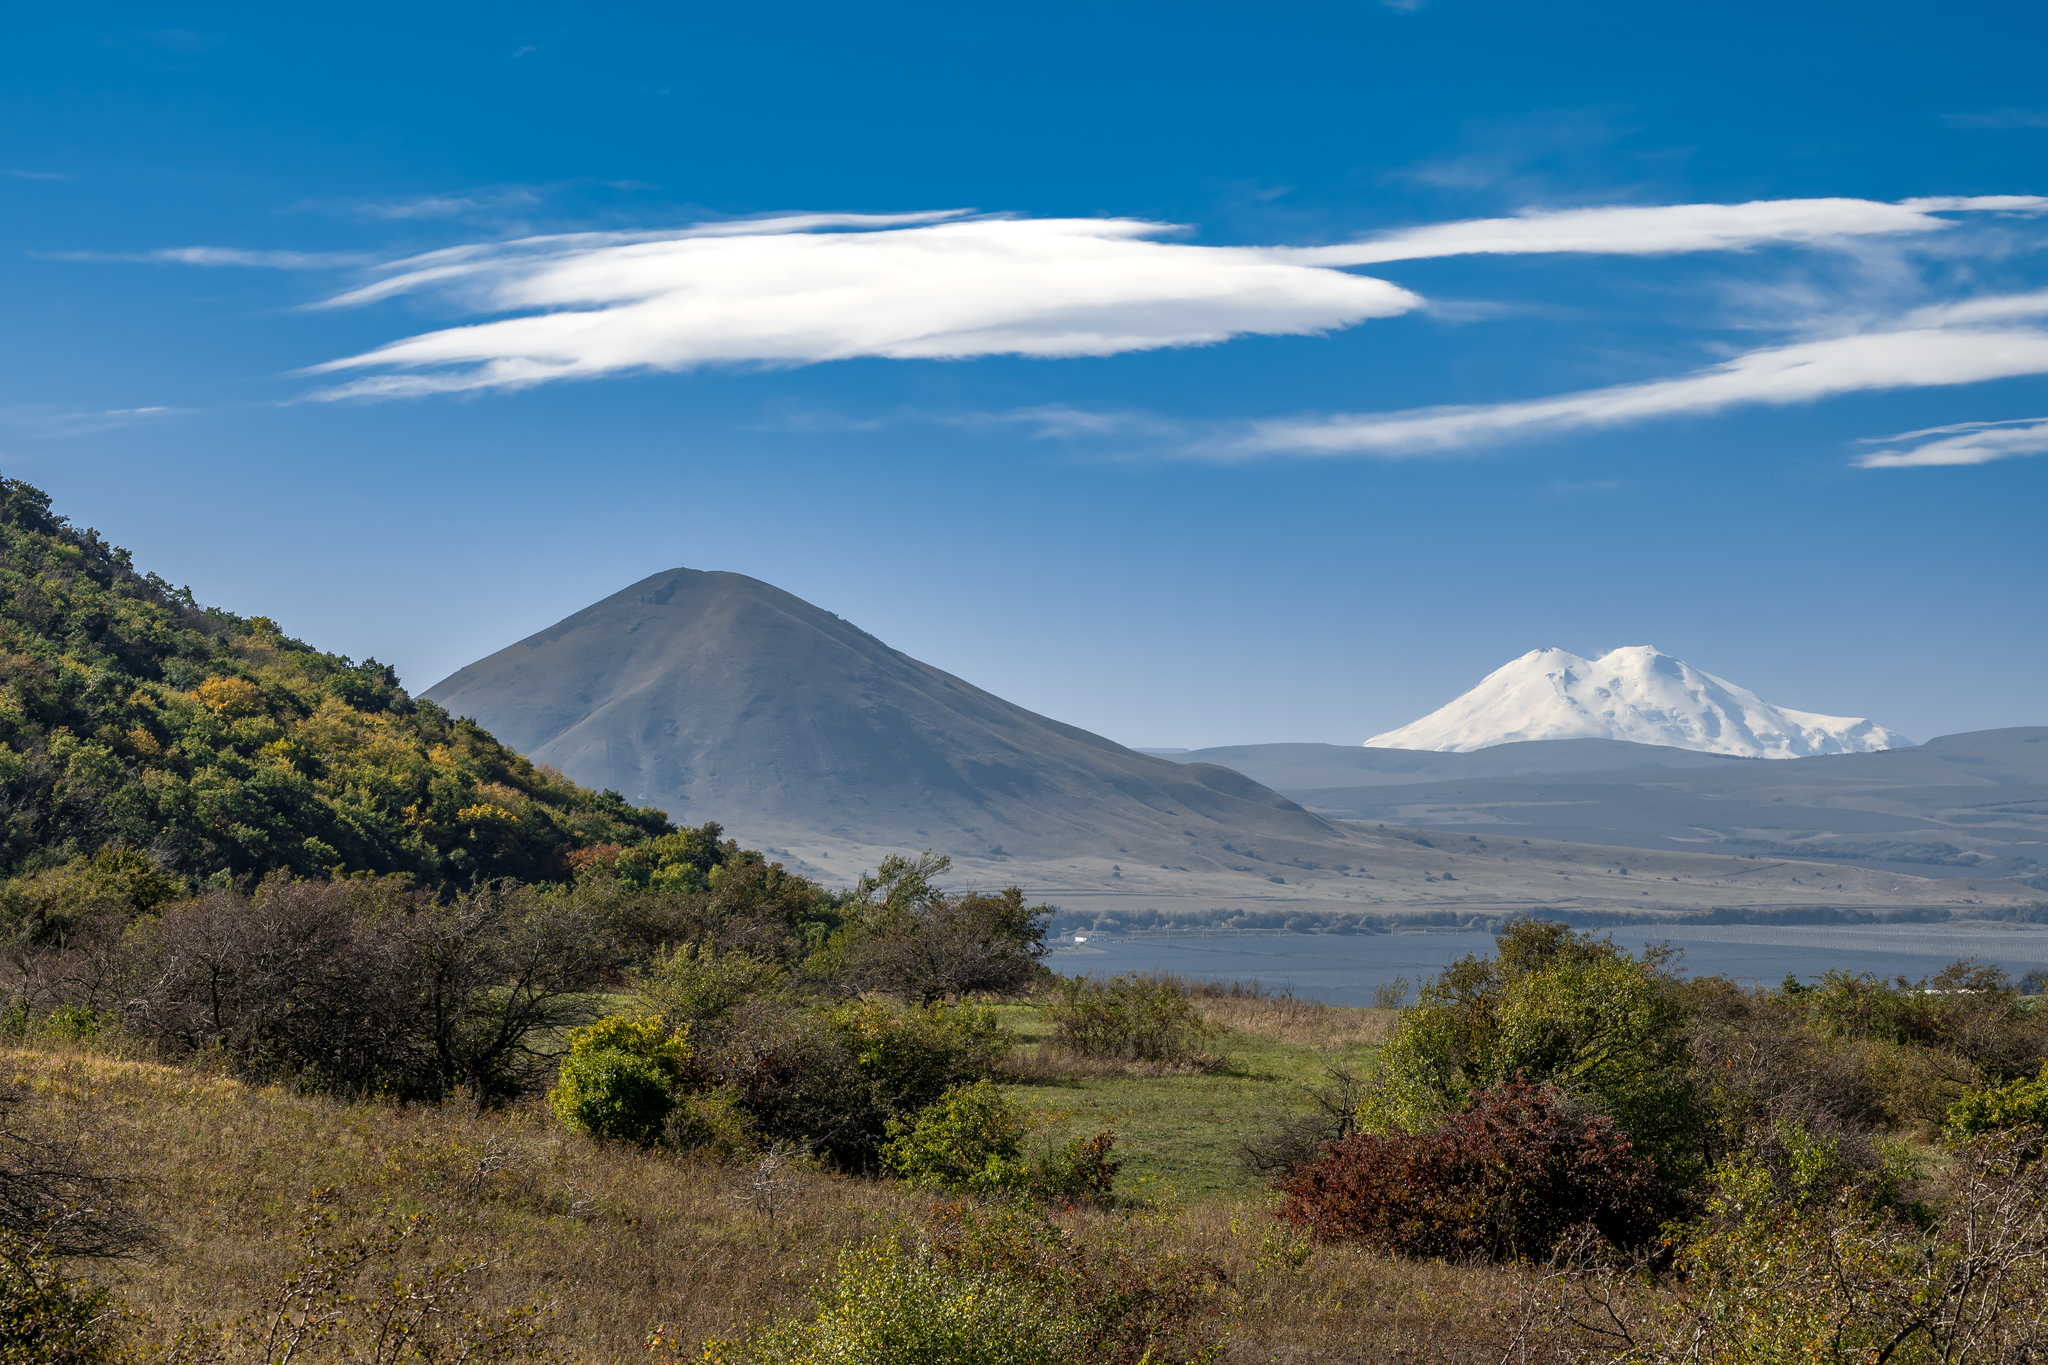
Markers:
point(1961, 443)
point(59, 422)
point(803, 289)
point(221, 256)
point(489, 203)
point(1666, 230)
point(1966, 343)
point(1999, 118)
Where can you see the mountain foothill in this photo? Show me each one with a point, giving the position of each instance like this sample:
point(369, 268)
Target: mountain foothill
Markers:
point(147, 737)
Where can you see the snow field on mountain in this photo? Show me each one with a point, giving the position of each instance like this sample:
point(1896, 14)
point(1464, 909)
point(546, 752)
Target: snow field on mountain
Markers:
point(1636, 693)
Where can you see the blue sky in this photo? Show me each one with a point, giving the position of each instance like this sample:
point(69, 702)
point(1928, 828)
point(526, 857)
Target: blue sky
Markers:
point(1196, 374)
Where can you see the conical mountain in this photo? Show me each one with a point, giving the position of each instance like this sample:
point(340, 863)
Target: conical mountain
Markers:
point(715, 696)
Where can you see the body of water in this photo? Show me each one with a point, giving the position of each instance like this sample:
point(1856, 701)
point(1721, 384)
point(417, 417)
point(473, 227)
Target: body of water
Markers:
point(1343, 969)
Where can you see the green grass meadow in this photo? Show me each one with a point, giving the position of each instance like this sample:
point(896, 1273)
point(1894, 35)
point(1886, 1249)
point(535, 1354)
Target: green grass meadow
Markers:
point(1178, 1134)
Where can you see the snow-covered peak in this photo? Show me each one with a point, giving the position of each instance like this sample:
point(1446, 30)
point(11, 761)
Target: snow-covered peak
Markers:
point(1634, 694)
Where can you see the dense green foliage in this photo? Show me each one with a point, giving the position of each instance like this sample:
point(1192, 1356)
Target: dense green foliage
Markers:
point(971, 1139)
point(1804, 1252)
point(838, 1079)
point(1555, 1008)
point(47, 1318)
point(131, 717)
point(1130, 1018)
point(2015, 1104)
point(1516, 1101)
point(619, 1080)
point(832, 1076)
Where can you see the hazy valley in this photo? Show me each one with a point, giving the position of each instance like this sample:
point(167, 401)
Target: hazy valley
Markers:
point(716, 696)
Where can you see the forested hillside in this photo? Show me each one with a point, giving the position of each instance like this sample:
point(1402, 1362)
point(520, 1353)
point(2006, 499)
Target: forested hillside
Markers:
point(133, 719)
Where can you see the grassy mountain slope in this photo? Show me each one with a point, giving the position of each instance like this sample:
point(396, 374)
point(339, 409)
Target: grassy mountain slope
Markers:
point(131, 717)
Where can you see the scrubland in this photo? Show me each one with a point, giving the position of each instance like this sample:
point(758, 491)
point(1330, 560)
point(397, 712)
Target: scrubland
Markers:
point(342, 1121)
point(612, 1243)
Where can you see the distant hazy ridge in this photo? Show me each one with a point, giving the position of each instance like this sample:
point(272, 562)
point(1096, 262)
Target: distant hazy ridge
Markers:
point(1972, 804)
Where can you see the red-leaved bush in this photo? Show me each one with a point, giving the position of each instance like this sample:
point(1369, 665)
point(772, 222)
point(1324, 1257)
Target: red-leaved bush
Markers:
point(1504, 1179)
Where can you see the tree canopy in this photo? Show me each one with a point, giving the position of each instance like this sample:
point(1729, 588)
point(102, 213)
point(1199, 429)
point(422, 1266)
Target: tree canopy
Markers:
point(132, 718)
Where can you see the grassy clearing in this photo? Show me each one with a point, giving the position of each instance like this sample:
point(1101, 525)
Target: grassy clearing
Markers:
point(616, 1238)
point(1178, 1134)
point(619, 1240)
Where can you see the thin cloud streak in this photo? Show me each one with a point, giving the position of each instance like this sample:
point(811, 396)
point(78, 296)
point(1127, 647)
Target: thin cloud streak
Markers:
point(1773, 376)
point(1664, 230)
point(219, 256)
point(49, 422)
point(1963, 443)
point(1999, 118)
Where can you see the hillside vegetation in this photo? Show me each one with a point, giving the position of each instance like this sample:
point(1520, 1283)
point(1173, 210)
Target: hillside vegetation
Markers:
point(133, 718)
point(333, 1031)
point(1838, 1173)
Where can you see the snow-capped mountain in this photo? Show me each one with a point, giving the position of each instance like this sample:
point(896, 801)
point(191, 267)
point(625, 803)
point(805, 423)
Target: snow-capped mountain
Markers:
point(1634, 694)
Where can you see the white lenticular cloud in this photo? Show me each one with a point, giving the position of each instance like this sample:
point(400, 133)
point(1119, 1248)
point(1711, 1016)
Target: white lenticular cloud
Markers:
point(950, 285)
point(1665, 230)
point(786, 292)
point(1916, 357)
point(1962, 443)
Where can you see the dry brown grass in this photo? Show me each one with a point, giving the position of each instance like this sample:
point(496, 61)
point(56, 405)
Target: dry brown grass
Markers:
point(1289, 1302)
point(619, 1240)
point(1303, 1023)
point(1049, 1063)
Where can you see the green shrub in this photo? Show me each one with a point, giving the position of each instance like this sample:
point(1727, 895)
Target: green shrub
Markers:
point(1131, 1285)
point(65, 1023)
point(830, 1079)
point(46, 1319)
point(1804, 1255)
point(912, 1056)
point(972, 1139)
point(1968, 1008)
point(693, 986)
point(619, 1081)
point(999, 1286)
point(1555, 1008)
point(889, 1306)
point(667, 1050)
point(1078, 1171)
point(2011, 1105)
point(1130, 1018)
point(614, 1096)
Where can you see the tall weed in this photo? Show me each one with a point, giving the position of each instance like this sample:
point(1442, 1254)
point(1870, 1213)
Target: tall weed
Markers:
point(1131, 1018)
